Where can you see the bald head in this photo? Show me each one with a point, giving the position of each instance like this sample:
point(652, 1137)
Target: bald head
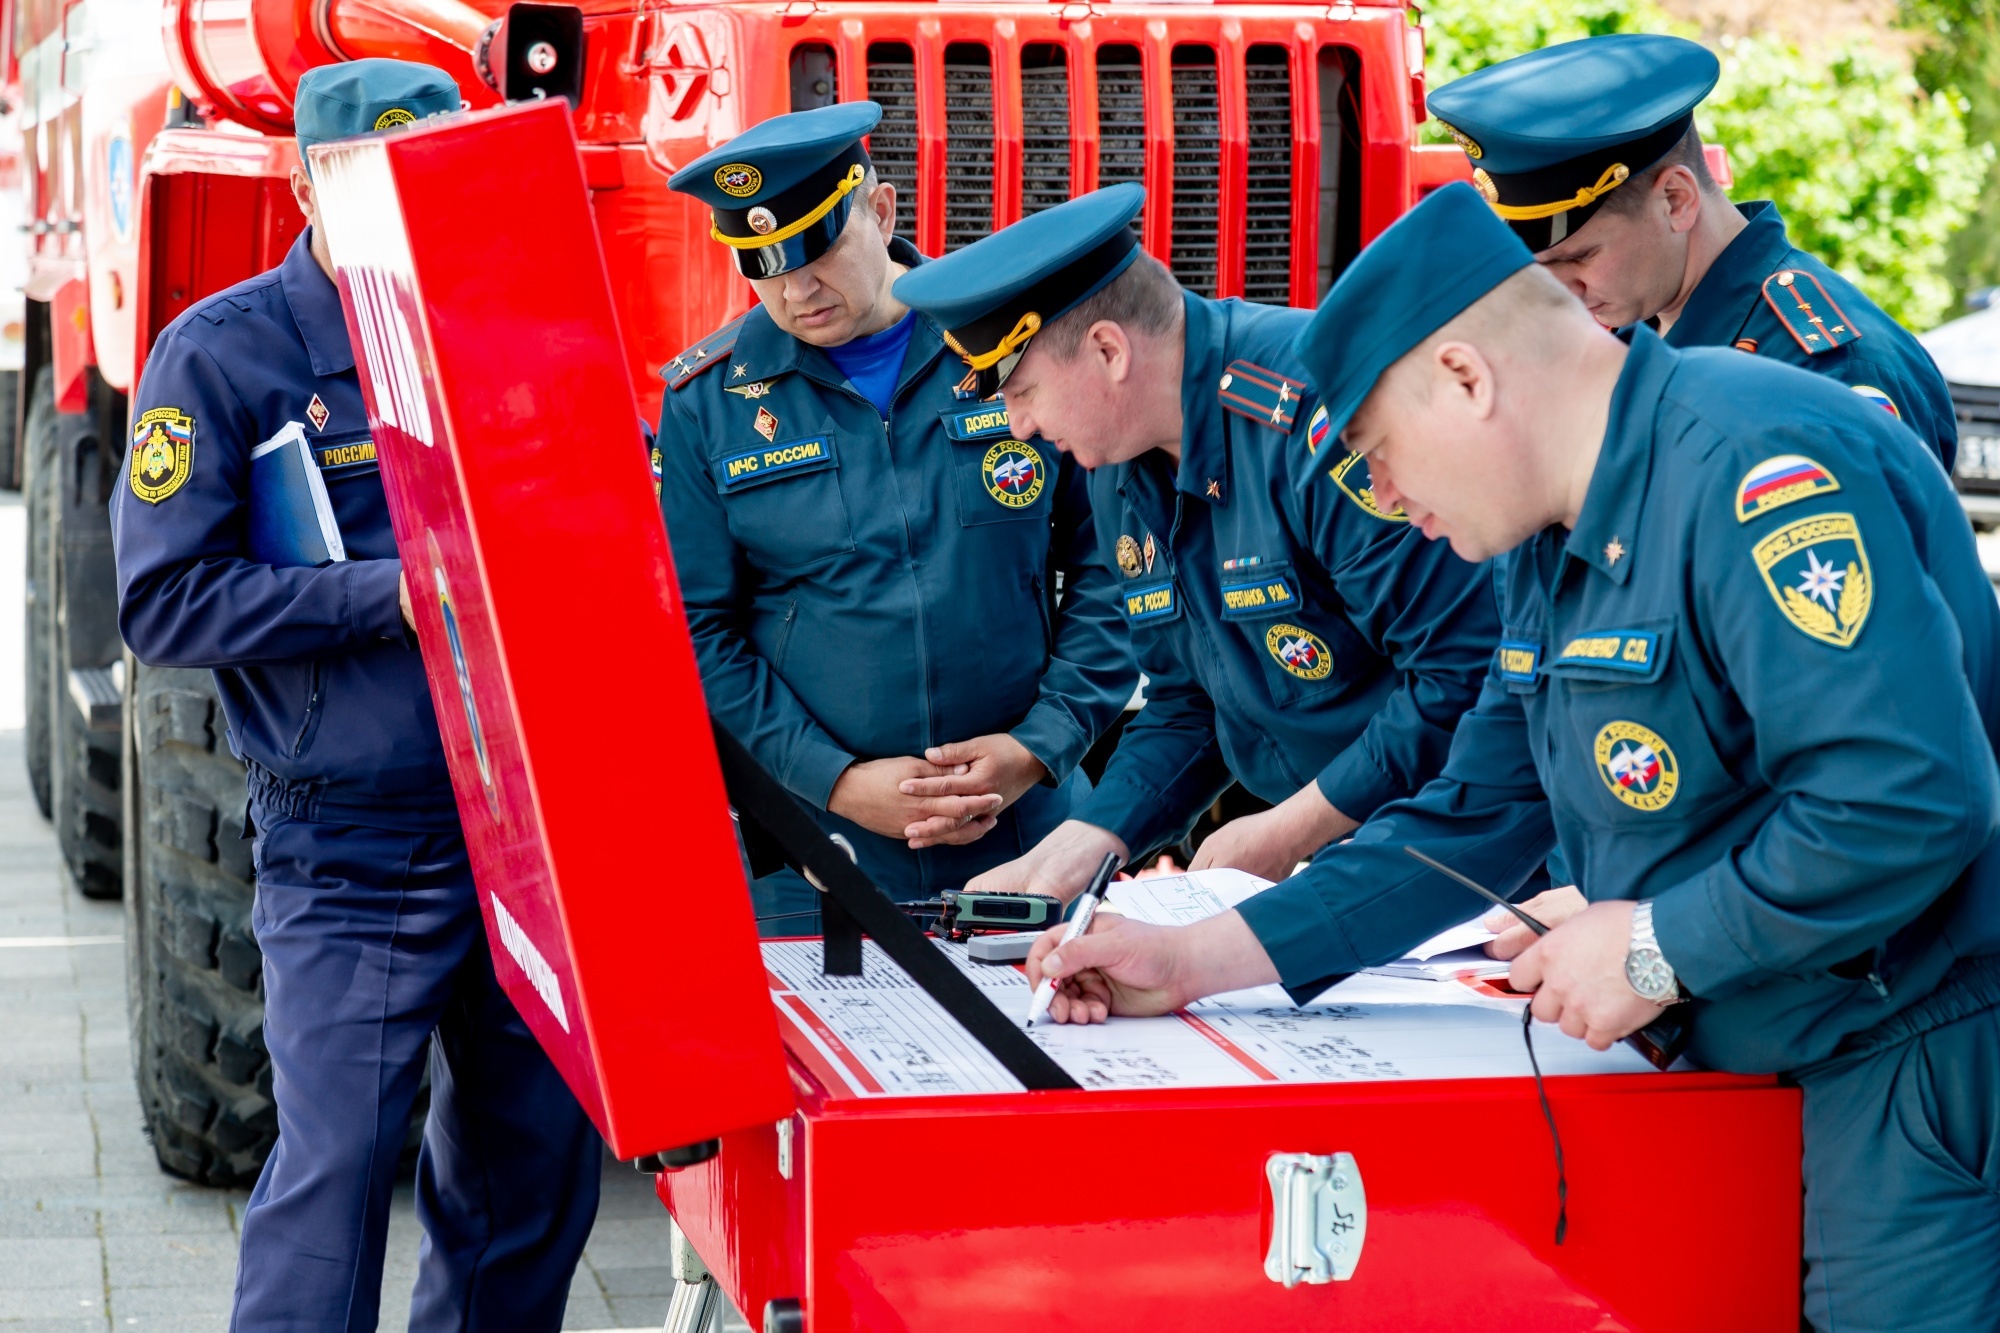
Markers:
point(1486, 431)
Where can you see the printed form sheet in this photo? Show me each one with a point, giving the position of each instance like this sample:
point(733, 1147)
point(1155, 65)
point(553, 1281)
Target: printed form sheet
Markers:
point(878, 1034)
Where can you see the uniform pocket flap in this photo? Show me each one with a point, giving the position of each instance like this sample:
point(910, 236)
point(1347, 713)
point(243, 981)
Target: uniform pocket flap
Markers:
point(1627, 655)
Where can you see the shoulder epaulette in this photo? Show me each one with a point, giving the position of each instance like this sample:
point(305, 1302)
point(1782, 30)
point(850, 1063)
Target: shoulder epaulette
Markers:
point(1808, 312)
point(1262, 395)
point(709, 352)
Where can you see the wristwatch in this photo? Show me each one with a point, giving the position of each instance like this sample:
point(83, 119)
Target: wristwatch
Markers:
point(1646, 968)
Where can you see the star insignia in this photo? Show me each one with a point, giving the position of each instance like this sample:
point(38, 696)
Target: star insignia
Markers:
point(1614, 551)
point(1214, 489)
point(1284, 394)
point(1278, 415)
point(701, 353)
point(680, 365)
point(737, 372)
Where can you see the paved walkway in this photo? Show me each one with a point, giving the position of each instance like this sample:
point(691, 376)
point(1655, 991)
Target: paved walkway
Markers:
point(94, 1237)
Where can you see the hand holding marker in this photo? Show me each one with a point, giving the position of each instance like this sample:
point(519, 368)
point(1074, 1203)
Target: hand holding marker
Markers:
point(1086, 909)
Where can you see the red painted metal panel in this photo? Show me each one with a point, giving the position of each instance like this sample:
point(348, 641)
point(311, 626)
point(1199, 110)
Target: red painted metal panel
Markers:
point(553, 635)
point(1152, 1213)
point(70, 345)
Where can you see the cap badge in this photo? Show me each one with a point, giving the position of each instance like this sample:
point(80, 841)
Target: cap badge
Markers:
point(1464, 140)
point(762, 220)
point(1128, 556)
point(766, 424)
point(393, 117)
point(738, 180)
point(1484, 184)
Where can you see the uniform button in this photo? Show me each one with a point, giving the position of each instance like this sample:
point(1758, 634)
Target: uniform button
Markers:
point(1227, 380)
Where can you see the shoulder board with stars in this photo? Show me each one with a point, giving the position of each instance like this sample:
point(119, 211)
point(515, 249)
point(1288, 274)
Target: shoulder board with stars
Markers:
point(1264, 396)
point(1808, 313)
point(707, 354)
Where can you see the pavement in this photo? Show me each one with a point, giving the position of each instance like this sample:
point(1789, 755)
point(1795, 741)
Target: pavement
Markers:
point(94, 1237)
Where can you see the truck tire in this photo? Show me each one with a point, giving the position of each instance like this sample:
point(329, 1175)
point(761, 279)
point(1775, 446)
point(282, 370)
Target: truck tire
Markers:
point(194, 974)
point(82, 653)
point(194, 992)
point(10, 440)
point(39, 475)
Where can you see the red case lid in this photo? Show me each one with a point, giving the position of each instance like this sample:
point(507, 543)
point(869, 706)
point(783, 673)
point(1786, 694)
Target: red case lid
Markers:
point(552, 630)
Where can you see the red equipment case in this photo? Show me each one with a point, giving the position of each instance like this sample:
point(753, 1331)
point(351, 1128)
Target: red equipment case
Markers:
point(621, 925)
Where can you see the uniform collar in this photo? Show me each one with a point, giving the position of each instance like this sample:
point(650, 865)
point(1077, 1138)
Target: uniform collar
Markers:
point(1607, 530)
point(1204, 471)
point(1720, 302)
point(764, 351)
point(315, 304)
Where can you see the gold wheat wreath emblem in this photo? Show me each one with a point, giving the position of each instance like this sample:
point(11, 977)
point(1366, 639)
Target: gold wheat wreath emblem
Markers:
point(1817, 571)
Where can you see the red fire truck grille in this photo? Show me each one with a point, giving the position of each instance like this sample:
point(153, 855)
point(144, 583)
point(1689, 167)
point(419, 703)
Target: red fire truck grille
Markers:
point(1201, 249)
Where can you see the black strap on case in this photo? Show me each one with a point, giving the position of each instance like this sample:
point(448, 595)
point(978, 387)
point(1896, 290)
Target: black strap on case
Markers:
point(851, 906)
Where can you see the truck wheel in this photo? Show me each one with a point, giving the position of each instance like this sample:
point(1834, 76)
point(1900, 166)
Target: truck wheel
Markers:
point(82, 656)
point(39, 475)
point(194, 974)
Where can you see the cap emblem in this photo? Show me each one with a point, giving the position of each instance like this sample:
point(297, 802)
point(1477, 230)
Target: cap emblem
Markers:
point(1484, 184)
point(393, 117)
point(1464, 140)
point(739, 180)
point(762, 220)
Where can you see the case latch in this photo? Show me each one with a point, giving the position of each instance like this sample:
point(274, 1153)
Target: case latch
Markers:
point(1319, 1217)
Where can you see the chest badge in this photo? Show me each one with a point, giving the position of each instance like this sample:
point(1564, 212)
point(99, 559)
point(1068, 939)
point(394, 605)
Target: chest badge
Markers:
point(162, 453)
point(316, 413)
point(1152, 552)
point(1128, 556)
point(756, 389)
point(1816, 569)
point(1637, 766)
point(1012, 471)
point(766, 425)
point(1299, 651)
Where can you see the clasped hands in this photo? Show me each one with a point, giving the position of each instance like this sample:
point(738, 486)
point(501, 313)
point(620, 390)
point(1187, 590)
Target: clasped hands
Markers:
point(1126, 967)
point(953, 795)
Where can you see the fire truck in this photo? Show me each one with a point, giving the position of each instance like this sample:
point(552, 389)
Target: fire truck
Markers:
point(1274, 138)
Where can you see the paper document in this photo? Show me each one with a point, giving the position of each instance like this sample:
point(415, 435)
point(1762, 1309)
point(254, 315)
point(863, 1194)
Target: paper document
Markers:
point(879, 1034)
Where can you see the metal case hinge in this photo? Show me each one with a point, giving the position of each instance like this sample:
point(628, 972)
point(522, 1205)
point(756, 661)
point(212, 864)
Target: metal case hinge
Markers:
point(1319, 1217)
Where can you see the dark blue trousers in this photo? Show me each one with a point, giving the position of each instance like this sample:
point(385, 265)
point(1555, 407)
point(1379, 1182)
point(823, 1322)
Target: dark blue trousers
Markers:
point(1902, 1169)
point(374, 960)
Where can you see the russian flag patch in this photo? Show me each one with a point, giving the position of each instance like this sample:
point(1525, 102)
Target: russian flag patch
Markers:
point(1777, 482)
point(1318, 429)
point(1880, 399)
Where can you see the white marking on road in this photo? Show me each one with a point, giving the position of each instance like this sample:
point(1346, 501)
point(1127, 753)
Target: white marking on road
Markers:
point(55, 941)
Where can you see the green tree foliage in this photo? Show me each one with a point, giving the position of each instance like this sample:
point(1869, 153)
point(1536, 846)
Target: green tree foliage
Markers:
point(1962, 52)
point(1874, 174)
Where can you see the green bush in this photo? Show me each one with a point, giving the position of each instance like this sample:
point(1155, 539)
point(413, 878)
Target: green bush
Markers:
point(1873, 174)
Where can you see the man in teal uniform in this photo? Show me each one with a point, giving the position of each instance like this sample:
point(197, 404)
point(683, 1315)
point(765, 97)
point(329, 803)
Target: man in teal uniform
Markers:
point(1748, 682)
point(1306, 644)
point(1588, 150)
point(883, 585)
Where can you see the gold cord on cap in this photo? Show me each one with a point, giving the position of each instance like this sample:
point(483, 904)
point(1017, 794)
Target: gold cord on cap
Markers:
point(1025, 328)
point(855, 175)
point(1614, 176)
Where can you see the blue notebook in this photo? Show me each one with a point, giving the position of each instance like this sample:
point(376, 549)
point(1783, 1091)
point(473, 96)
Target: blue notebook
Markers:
point(291, 517)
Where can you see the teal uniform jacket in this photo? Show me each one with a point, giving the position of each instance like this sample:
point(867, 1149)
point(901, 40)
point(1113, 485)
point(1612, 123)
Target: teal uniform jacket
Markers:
point(1265, 662)
point(1758, 684)
point(861, 589)
point(1766, 296)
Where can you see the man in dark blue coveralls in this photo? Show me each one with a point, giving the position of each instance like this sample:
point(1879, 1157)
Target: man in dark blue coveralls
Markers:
point(1759, 720)
point(870, 562)
point(1308, 645)
point(373, 948)
point(1588, 149)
